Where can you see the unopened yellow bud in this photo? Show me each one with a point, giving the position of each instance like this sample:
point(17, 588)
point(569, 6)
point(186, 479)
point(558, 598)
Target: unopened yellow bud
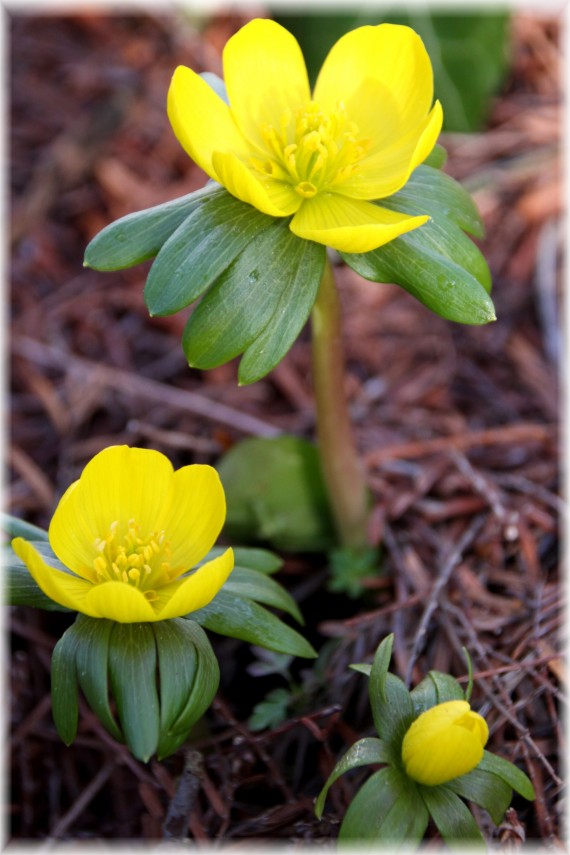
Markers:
point(443, 743)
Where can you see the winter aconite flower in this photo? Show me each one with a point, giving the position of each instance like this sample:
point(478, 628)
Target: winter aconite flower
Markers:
point(443, 743)
point(128, 531)
point(320, 157)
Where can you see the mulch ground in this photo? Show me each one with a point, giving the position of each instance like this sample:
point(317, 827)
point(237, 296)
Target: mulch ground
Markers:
point(457, 426)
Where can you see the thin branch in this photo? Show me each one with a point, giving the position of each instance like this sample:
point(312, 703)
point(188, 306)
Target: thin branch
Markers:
point(443, 577)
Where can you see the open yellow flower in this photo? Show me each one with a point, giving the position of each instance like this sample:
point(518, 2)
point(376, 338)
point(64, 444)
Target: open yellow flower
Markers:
point(443, 743)
point(129, 530)
point(322, 157)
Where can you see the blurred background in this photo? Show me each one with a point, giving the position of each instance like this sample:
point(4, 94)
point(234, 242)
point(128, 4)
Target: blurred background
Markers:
point(457, 425)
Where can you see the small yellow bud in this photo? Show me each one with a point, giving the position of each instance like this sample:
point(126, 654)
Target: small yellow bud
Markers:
point(444, 742)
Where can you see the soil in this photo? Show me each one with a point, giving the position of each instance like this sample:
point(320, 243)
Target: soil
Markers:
point(458, 428)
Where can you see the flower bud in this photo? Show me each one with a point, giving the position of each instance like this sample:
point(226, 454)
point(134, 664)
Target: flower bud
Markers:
point(444, 742)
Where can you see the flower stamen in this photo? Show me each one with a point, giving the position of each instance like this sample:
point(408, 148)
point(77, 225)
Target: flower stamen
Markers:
point(133, 559)
point(312, 150)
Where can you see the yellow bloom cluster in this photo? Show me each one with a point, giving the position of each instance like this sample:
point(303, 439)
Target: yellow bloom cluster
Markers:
point(129, 530)
point(319, 157)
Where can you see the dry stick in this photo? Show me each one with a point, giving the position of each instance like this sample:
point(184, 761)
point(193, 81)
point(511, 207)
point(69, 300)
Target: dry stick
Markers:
point(398, 614)
point(497, 688)
point(542, 813)
point(81, 802)
point(133, 384)
point(255, 743)
point(526, 665)
point(452, 561)
point(343, 627)
point(485, 488)
point(492, 436)
point(120, 752)
point(178, 815)
point(39, 711)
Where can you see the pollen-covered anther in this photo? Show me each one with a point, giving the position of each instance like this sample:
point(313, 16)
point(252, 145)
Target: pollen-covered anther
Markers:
point(133, 559)
point(313, 150)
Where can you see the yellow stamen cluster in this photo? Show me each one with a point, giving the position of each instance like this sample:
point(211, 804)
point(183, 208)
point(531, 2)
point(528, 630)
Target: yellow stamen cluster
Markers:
point(127, 557)
point(312, 150)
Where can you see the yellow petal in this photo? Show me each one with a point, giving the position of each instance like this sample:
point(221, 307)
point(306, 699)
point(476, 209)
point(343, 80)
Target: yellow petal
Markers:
point(275, 198)
point(428, 137)
point(62, 588)
point(265, 76)
point(119, 601)
point(379, 125)
point(443, 743)
point(350, 225)
point(195, 591)
point(197, 514)
point(385, 172)
point(201, 121)
point(119, 483)
point(73, 539)
point(390, 53)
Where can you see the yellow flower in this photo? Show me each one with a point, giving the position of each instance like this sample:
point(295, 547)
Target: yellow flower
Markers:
point(320, 157)
point(444, 742)
point(128, 530)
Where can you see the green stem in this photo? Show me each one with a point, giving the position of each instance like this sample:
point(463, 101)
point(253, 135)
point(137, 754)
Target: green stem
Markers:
point(342, 470)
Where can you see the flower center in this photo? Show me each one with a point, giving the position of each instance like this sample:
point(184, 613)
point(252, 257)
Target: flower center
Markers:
point(126, 556)
point(312, 150)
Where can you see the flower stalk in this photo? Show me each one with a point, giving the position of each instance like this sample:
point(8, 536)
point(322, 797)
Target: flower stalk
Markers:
point(342, 469)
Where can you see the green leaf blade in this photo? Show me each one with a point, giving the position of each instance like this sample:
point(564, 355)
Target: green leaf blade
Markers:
point(65, 708)
point(443, 239)
point(261, 560)
point(203, 246)
point(256, 291)
point(271, 711)
point(262, 589)
point(198, 697)
point(392, 708)
point(15, 527)
point(275, 493)
point(431, 191)
point(241, 618)
point(452, 817)
point(486, 790)
point(177, 665)
point(435, 688)
point(431, 277)
point(509, 773)
point(289, 317)
point(386, 810)
point(437, 158)
point(132, 672)
point(94, 635)
point(362, 753)
point(250, 558)
point(140, 235)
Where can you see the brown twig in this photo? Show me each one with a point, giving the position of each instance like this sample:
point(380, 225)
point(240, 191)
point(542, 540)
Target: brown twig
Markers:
point(492, 436)
point(455, 555)
point(178, 814)
point(134, 384)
